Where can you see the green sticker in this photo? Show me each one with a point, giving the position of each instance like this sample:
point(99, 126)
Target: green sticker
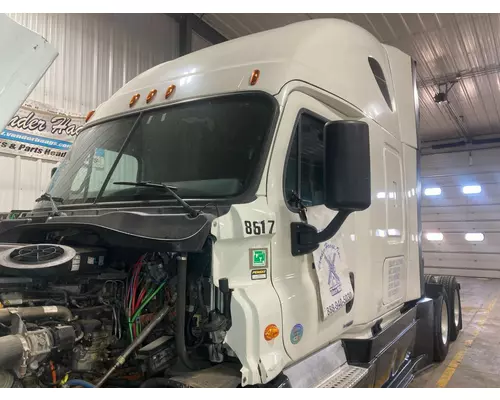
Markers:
point(258, 258)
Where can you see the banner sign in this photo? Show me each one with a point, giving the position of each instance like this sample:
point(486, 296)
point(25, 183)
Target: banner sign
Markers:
point(39, 132)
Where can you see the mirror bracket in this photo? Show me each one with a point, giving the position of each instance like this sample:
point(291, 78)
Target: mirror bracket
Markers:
point(306, 238)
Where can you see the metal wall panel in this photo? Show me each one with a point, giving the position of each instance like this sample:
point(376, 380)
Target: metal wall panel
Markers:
point(98, 53)
point(198, 43)
point(444, 45)
point(454, 214)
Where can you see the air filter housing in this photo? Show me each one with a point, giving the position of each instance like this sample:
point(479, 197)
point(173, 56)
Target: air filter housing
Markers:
point(49, 260)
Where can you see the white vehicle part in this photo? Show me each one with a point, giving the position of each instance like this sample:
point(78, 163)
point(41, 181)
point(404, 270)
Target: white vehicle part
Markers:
point(254, 303)
point(26, 56)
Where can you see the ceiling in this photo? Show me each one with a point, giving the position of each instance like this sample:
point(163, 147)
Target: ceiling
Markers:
point(446, 47)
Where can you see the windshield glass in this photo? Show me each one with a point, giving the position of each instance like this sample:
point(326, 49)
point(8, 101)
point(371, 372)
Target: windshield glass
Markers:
point(206, 148)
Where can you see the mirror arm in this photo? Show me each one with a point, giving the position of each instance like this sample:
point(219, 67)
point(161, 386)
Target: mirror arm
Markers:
point(333, 227)
point(306, 238)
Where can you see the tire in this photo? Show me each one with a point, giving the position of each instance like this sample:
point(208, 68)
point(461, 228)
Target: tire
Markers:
point(430, 279)
point(441, 337)
point(452, 289)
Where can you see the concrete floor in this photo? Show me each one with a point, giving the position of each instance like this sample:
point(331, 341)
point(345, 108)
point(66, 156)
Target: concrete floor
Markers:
point(472, 360)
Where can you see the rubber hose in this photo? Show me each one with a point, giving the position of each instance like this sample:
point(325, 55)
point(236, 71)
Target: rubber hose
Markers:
point(11, 351)
point(79, 382)
point(31, 313)
point(180, 341)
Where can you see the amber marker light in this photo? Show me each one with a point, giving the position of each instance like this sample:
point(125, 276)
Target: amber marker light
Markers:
point(169, 91)
point(89, 115)
point(134, 99)
point(254, 77)
point(271, 332)
point(151, 95)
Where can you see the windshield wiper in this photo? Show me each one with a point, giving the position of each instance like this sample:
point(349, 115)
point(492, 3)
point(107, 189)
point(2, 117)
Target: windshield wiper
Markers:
point(169, 189)
point(55, 210)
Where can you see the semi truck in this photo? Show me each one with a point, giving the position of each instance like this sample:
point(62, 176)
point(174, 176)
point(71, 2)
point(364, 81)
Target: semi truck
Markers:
point(246, 216)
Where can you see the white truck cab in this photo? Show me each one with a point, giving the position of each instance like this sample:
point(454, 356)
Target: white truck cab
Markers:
point(294, 154)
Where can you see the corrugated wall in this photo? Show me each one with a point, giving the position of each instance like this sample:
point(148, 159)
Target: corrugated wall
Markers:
point(98, 53)
point(198, 43)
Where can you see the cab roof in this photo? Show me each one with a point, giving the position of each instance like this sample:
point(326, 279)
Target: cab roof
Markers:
point(328, 53)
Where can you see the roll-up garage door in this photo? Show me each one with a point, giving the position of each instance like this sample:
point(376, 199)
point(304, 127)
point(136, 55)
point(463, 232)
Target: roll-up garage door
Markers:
point(461, 213)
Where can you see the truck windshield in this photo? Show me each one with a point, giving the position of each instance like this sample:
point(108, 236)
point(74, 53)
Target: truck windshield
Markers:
point(207, 148)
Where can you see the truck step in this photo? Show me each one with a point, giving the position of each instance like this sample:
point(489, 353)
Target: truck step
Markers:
point(347, 376)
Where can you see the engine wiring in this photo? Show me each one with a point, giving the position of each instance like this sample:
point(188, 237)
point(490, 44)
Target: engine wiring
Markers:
point(141, 289)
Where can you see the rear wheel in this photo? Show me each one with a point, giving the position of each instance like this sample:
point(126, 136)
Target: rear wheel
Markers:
point(452, 289)
point(430, 279)
point(441, 327)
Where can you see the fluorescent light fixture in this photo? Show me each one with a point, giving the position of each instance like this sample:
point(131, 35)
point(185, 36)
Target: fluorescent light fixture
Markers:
point(432, 191)
point(473, 189)
point(434, 236)
point(381, 195)
point(380, 233)
point(393, 232)
point(474, 237)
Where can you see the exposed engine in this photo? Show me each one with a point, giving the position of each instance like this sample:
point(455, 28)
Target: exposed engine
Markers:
point(74, 316)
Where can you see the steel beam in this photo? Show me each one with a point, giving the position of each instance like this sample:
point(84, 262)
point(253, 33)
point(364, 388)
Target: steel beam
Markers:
point(189, 23)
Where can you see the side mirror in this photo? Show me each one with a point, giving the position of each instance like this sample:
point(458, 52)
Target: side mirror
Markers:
point(347, 166)
point(347, 181)
point(53, 171)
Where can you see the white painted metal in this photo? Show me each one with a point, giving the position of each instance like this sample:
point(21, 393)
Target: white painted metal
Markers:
point(25, 59)
point(381, 243)
point(295, 52)
point(455, 214)
point(99, 53)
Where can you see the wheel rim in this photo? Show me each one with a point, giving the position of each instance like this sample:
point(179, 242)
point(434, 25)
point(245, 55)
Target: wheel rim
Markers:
point(444, 322)
point(456, 309)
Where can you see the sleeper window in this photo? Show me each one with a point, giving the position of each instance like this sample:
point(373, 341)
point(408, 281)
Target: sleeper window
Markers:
point(304, 169)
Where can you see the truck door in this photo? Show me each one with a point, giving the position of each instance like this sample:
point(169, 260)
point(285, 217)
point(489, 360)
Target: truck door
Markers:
point(296, 171)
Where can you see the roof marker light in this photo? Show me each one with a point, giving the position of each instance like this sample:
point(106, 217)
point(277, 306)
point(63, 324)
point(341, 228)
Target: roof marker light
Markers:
point(169, 91)
point(151, 95)
point(254, 77)
point(89, 115)
point(134, 99)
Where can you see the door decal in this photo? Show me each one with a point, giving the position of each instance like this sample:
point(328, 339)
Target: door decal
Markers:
point(331, 268)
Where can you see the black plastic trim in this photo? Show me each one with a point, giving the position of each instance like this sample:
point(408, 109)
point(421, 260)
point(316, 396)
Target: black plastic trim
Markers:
point(363, 351)
point(172, 233)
